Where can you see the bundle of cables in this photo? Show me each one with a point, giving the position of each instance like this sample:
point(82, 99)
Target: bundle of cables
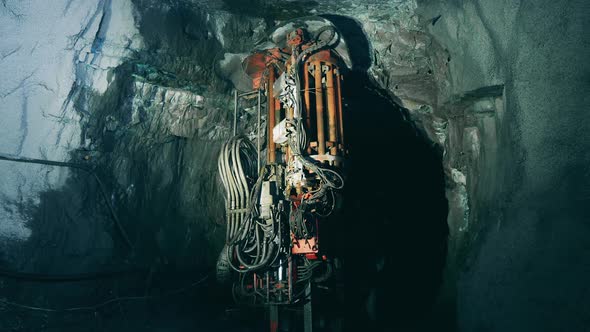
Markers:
point(305, 270)
point(254, 243)
point(248, 239)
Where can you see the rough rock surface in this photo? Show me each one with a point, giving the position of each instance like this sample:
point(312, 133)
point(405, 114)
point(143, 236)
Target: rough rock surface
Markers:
point(526, 270)
point(128, 89)
point(133, 88)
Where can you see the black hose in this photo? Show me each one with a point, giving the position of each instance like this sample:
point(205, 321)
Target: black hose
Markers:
point(36, 277)
point(85, 168)
point(105, 303)
point(10, 157)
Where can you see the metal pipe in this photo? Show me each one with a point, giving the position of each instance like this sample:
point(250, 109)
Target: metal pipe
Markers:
point(270, 104)
point(278, 109)
point(306, 95)
point(287, 155)
point(319, 104)
point(340, 110)
point(235, 111)
point(274, 317)
point(247, 93)
point(289, 111)
point(331, 100)
point(307, 310)
point(258, 134)
point(306, 98)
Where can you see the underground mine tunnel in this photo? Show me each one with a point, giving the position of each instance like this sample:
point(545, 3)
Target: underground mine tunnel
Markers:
point(286, 165)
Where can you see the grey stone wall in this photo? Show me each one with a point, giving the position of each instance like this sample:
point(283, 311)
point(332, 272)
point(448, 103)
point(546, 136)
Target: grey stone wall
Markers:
point(132, 89)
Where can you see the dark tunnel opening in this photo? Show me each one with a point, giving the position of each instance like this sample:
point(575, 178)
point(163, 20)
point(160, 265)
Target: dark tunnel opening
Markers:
point(392, 231)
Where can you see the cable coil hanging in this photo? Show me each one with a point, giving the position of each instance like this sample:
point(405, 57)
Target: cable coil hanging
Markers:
point(247, 239)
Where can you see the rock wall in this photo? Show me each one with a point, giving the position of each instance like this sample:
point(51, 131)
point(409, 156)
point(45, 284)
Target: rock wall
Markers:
point(134, 90)
point(142, 103)
point(128, 89)
point(526, 268)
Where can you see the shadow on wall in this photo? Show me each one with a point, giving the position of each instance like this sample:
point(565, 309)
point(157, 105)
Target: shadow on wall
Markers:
point(392, 231)
point(356, 39)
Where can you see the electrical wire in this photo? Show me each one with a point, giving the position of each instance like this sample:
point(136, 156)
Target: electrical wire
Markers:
point(252, 243)
point(105, 303)
point(38, 277)
point(247, 239)
point(236, 164)
point(121, 230)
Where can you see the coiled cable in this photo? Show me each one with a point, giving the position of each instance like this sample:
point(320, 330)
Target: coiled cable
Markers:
point(247, 240)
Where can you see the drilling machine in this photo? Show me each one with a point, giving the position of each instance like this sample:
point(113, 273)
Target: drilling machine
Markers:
point(275, 209)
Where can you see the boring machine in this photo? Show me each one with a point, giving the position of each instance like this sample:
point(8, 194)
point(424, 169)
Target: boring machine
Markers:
point(275, 207)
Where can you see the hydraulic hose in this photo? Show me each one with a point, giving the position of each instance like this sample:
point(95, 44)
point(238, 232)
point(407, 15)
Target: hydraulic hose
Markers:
point(329, 178)
point(36, 277)
point(249, 241)
point(246, 239)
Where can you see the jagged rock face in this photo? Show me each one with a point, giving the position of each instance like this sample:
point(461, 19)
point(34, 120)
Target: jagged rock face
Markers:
point(130, 89)
point(139, 97)
point(136, 94)
point(532, 257)
point(101, 72)
point(133, 87)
